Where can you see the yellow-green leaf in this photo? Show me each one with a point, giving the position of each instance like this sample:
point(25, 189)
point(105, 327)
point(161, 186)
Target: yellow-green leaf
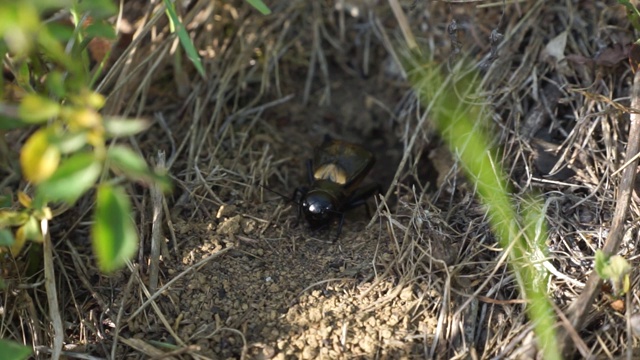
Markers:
point(24, 199)
point(118, 127)
point(10, 218)
point(70, 142)
point(43, 213)
point(20, 240)
point(73, 178)
point(32, 229)
point(89, 99)
point(37, 109)
point(39, 158)
point(84, 118)
point(616, 269)
point(115, 239)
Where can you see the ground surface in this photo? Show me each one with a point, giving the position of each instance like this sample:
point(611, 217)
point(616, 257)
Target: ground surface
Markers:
point(426, 279)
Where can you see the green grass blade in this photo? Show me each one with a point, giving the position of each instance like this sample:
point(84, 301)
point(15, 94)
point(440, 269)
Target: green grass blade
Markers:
point(463, 127)
point(185, 40)
point(260, 6)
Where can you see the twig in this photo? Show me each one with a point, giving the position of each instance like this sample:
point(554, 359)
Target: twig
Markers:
point(156, 228)
point(52, 293)
point(404, 25)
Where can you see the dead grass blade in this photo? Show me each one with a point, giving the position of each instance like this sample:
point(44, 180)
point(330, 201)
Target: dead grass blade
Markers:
point(580, 307)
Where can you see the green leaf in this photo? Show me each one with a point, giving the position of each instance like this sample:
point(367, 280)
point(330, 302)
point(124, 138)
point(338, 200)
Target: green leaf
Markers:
point(55, 84)
point(73, 178)
point(162, 181)
point(114, 235)
point(9, 123)
point(70, 142)
point(37, 109)
point(23, 76)
point(119, 127)
point(618, 266)
point(6, 238)
point(128, 162)
point(133, 166)
point(59, 31)
point(44, 6)
point(260, 6)
point(39, 158)
point(185, 40)
point(632, 13)
point(56, 52)
point(616, 269)
point(98, 9)
point(5, 201)
point(12, 218)
point(100, 30)
point(601, 262)
point(18, 22)
point(32, 229)
point(14, 351)
point(9, 118)
point(163, 345)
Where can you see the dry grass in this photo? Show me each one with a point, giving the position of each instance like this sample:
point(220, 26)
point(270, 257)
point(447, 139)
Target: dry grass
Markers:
point(430, 253)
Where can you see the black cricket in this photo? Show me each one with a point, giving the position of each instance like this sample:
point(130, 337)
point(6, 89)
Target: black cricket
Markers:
point(335, 173)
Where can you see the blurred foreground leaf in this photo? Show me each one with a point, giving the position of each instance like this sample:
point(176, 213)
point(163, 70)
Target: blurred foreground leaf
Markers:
point(100, 30)
point(36, 109)
point(32, 229)
point(10, 123)
point(6, 238)
point(39, 158)
point(133, 166)
point(9, 218)
point(114, 235)
point(73, 178)
point(465, 127)
point(99, 9)
point(117, 127)
point(13, 351)
point(128, 161)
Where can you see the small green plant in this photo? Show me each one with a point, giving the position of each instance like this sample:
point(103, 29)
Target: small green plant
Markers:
point(463, 126)
point(178, 28)
point(72, 148)
point(632, 13)
point(615, 269)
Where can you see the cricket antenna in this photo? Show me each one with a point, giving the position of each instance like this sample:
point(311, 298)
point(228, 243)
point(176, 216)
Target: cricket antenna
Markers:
point(286, 198)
